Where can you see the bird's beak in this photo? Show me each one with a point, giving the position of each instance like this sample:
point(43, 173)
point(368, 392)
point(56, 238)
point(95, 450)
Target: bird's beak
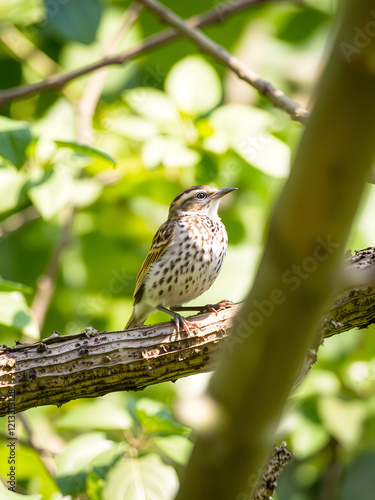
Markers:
point(222, 192)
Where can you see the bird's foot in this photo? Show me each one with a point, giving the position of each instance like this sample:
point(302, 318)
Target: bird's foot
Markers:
point(223, 304)
point(179, 320)
point(183, 323)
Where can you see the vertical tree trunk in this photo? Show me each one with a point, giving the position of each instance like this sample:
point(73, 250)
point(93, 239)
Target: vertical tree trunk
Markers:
point(307, 236)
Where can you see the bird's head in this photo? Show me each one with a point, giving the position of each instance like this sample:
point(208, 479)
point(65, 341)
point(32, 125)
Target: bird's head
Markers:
point(203, 200)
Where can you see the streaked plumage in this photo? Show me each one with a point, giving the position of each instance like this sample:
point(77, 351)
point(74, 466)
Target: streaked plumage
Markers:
point(185, 258)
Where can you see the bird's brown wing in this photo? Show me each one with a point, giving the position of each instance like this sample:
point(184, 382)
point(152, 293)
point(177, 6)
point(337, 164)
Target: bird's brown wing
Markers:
point(160, 243)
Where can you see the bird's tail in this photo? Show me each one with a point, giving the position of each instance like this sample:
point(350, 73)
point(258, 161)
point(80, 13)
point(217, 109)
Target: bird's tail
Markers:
point(134, 321)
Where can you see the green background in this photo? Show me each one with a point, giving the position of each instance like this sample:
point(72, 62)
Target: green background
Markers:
point(169, 119)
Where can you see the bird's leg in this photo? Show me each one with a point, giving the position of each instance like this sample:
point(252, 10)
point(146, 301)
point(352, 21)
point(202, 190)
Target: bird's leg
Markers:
point(179, 320)
point(207, 308)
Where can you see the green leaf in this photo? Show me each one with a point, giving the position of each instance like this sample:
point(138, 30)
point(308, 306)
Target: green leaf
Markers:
point(85, 191)
point(29, 467)
point(178, 448)
point(73, 20)
point(52, 191)
point(318, 382)
point(6, 494)
point(118, 77)
point(73, 463)
point(15, 313)
point(86, 150)
point(268, 154)
point(12, 184)
point(307, 437)
point(94, 485)
point(12, 286)
point(299, 26)
point(132, 127)
point(156, 417)
point(141, 478)
point(100, 415)
point(237, 123)
point(14, 139)
point(194, 85)
point(21, 11)
point(326, 6)
point(168, 152)
point(343, 419)
point(244, 129)
point(152, 104)
point(100, 466)
point(106, 460)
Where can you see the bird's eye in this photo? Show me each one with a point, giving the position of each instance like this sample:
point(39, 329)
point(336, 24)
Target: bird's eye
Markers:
point(201, 195)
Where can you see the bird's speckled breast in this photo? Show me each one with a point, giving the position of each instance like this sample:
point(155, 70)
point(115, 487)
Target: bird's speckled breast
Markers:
point(190, 264)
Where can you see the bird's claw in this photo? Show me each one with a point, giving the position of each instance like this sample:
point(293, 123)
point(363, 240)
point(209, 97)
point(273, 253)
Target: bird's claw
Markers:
point(181, 322)
point(215, 308)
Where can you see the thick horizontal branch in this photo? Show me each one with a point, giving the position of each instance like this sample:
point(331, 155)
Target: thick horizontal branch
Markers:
point(215, 15)
point(276, 96)
point(60, 368)
point(354, 306)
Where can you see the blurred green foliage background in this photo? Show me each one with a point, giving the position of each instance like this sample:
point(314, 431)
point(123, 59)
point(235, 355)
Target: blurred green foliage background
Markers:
point(78, 221)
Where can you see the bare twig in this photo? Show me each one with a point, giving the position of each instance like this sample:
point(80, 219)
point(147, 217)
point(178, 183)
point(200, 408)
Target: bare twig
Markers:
point(86, 108)
point(45, 456)
point(22, 49)
point(276, 96)
point(332, 476)
point(47, 282)
point(87, 104)
point(27, 442)
point(215, 15)
point(18, 220)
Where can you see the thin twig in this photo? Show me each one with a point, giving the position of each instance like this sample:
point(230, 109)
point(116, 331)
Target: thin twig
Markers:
point(47, 282)
point(47, 460)
point(86, 108)
point(22, 49)
point(27, 442)
point(18, 220)
point(276, 96)
point(57, 81)
point(87, 104)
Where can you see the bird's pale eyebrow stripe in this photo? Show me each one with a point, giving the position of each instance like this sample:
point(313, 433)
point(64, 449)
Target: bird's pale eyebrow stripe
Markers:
point(187, 192)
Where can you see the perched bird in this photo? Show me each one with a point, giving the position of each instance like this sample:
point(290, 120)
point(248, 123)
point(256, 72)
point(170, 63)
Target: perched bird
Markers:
point(185, 257)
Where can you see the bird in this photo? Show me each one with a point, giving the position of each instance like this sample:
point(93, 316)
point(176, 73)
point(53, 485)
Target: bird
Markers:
point(185, 258)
